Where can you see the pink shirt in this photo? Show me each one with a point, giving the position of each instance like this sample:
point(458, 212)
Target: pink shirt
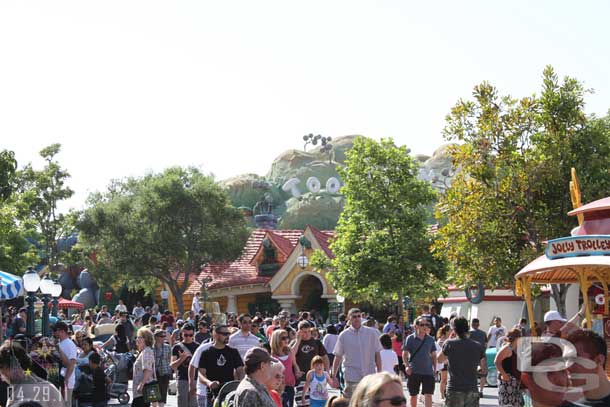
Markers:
point(289, 378)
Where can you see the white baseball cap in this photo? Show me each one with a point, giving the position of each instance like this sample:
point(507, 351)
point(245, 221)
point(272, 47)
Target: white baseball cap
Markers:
point(553, 316)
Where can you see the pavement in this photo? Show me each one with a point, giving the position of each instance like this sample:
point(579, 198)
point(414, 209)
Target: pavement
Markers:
point(490, 398)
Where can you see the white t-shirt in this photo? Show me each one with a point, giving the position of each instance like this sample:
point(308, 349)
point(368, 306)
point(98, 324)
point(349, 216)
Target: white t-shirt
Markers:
point(71, 351)
point(202, 389)
point(389, 359)
point(120, 308)
point(494, 333)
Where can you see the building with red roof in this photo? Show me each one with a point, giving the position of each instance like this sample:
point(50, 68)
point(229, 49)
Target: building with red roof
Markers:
point(272, 272)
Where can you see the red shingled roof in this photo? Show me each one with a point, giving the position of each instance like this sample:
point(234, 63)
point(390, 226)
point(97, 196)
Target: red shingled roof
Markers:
point(240, 271)
point(323, 238)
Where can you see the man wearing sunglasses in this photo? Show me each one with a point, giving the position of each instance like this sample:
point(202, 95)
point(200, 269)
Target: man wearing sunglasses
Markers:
point(220, 363)
point(181, 356)
point(243, 340)
point(358, 347)
point(420, 352)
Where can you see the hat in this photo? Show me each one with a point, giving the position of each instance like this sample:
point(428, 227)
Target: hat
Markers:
point(284, 314)
point(257, 355)
point(24, 309)
point(180, 321)
point(553, 316)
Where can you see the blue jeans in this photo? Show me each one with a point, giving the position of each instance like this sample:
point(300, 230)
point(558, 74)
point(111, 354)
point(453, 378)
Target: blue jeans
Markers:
point(288, 397)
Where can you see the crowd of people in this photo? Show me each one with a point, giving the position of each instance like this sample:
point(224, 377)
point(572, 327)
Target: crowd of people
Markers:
point(294, 360)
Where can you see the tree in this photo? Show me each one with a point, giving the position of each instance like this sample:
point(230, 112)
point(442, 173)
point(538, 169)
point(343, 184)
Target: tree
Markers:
point(15, 251)
point(161, 228)
point(511, 189)
point(39, 192)
point(382, 247)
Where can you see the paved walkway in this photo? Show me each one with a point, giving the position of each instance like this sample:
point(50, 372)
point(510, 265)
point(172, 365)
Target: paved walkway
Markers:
point(490, 398)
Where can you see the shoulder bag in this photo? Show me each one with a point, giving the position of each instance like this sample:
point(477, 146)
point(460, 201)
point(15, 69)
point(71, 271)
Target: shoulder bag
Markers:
point(151, 392)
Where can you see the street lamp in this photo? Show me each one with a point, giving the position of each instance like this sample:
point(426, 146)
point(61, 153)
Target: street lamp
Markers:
point(31, 283)
point(46, 288)
point(57, 289)
point(164, 297)
point(303, 261)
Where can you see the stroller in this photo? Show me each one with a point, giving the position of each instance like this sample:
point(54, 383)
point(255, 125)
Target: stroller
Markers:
point(119, 368)
point(226, 395)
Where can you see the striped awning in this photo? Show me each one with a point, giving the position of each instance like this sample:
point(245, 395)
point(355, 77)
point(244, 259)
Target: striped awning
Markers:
point(11, 286)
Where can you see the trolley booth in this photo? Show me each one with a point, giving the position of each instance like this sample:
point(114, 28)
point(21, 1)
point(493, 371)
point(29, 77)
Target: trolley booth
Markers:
point(583, 259)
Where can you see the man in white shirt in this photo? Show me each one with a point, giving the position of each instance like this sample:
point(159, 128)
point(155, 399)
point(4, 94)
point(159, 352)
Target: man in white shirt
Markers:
point(68, 353)
point(196, 386)
point(120, 307)
point(495, 332)
point(243, 340)
point(138, 310)
point(359, 346)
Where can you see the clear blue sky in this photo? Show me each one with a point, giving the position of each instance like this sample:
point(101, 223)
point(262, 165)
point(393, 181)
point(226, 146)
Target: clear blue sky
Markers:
point(132, 86)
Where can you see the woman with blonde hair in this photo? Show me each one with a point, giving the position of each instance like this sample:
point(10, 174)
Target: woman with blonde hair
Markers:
point(379, 390)
point(144, 366)
point(281, 351)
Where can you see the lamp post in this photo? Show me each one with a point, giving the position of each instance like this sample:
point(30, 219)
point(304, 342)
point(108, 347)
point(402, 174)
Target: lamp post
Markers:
point(46, 288)
point(340, 300)
point(31, 283)
point(57, 289)
point(164, 297)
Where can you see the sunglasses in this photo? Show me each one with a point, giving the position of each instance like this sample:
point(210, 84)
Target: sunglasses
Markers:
point(395, 401)
point(223, 333)
point(187, 335)
point(283, 338)
point(424, 325)
point(356, 316)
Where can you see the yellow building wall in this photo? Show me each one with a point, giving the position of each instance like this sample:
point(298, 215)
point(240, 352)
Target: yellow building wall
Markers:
point(285, 288)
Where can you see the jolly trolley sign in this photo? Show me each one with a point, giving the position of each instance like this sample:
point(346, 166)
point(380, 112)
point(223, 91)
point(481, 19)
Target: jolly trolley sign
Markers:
point(591, 245)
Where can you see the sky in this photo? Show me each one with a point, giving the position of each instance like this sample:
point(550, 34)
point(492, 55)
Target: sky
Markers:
point(130, 87)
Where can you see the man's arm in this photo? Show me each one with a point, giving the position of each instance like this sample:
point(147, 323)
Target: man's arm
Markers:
point(239, 373)
point(433, 355)
point(336, 363)
point(212, 384)
point(70, 369)
point(177, 361)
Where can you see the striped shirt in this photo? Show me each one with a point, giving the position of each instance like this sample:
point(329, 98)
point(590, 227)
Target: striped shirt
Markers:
point(162, 359)
point(243, 343)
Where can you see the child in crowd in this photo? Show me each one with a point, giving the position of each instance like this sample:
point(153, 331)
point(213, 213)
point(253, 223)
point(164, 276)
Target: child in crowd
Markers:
point(316, 383)
point(389, 359)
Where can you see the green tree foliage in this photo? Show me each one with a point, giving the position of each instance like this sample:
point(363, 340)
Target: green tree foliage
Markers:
point(160, 228)
point(15, 251)
point(39, 193)
point(511, 190)
point(382, 247)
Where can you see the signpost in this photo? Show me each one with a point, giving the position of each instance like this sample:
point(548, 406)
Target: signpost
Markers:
point(591, 245)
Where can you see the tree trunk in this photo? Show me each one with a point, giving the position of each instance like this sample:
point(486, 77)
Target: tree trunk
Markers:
point(180, 304)
point(559, 293)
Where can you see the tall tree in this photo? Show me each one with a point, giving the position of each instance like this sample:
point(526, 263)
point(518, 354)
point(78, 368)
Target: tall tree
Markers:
point(511, 190)
point(15, 251)
point(382, 247)
point(161, 227)
point(40, 192)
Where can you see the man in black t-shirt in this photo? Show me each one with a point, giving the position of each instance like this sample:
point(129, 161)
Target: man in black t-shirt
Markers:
point(220, 363)
point(307, 348)
point(464, 356)
point(182, 352)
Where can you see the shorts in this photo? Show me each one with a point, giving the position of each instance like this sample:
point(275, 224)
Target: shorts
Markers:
point(425, 381)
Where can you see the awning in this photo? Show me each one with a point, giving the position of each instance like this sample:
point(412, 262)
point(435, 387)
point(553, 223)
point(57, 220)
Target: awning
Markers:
point(544, 270)
point(65, 304)
point(11, 286)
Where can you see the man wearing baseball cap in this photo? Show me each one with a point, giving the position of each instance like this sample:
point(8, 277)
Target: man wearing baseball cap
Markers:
point(557, 326)
point(252, 391)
